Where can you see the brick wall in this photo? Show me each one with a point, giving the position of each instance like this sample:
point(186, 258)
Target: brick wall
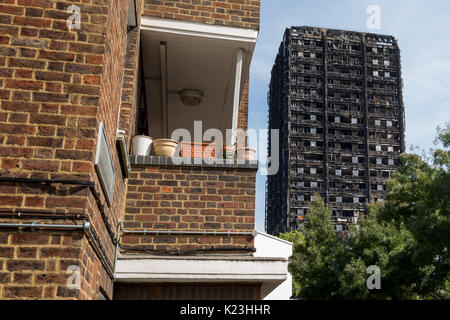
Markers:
point(243, 108)
point(34, 264)
point(56, 86)
point(190, 198)
point(233, 13)
point(128, 108)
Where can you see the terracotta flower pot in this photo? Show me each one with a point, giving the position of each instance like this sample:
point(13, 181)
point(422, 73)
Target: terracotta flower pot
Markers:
point(191, 149)
point(164, 147)
point(245, 154)
point(141, 145)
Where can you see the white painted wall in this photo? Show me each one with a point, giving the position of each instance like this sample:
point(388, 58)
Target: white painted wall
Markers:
point(270, 246)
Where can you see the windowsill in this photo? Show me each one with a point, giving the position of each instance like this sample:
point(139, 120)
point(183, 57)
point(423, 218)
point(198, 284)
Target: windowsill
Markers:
point(192, 162)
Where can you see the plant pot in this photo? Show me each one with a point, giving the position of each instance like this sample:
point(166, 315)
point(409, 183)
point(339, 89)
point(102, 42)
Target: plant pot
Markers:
point(191, 149)
point(141, 145)
point(228, 151)
point(245, 154)
point(164, 147)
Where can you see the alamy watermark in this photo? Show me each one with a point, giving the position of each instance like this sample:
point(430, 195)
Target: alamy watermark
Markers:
point(74, 280)
point(74, 21)
point(268, 165)
point(374, 281)
point(374, 19)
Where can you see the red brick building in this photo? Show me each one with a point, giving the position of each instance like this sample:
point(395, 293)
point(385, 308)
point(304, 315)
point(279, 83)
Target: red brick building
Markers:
point(70, 209)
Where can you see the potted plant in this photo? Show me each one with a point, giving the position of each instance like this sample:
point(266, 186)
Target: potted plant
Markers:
point(164, 147)
point(228, 151)
point(141, 145)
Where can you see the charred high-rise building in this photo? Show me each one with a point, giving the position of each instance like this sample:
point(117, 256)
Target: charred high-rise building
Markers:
point(336, 97)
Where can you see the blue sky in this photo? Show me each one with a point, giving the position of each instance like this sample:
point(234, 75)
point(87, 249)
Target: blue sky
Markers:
point(422, 29)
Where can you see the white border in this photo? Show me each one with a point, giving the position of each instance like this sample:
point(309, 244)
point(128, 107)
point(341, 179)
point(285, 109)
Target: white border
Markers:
point(199, 29)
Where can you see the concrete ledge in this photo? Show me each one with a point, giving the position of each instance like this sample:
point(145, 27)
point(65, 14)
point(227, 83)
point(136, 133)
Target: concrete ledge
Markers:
point(193, 162)
point(201, 269)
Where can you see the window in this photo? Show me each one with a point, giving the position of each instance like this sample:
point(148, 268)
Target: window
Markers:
point(377, 122)
point(313, 198)
point(377, 148)
point(375, 73)
point(313, 117)
point(338, 199)
point(380, 187)
point(300, 212)
point(390, 149)
point(355, 173)
point(387, 74)
point(300, 184)
point(300, 170)
point(388, 123)
point(313, 144)
point(391, 162)
point(300, 197)
point(313, 184)
point(379, 161)
point(354, 121)
point(339, 227)
point(380, 200)
point(337, 119)
point(375, 61)
point(313, 171)
point(338, 172)
point(355, 159)
point(355, 200)
point(313, 130)
point(387, 62)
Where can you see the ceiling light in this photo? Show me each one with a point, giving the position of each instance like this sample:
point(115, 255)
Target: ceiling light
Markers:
point(191, 97)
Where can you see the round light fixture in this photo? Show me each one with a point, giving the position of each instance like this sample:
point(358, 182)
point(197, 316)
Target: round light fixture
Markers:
point(191, 97)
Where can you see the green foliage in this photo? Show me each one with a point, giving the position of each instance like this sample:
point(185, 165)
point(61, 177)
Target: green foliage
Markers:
point(295, 237)
point(407, 237)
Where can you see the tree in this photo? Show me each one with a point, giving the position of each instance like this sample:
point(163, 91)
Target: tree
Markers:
point(297, 238)
point(419, 198)
point(407, 237)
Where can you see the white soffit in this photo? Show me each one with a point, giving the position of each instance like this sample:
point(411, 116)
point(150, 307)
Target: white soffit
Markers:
point(199, 29)
point(197, 269)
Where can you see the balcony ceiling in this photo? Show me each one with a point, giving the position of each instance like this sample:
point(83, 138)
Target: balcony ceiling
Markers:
point(193, 62)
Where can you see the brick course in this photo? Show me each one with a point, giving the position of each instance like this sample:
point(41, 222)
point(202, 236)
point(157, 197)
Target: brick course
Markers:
point(232, 13)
